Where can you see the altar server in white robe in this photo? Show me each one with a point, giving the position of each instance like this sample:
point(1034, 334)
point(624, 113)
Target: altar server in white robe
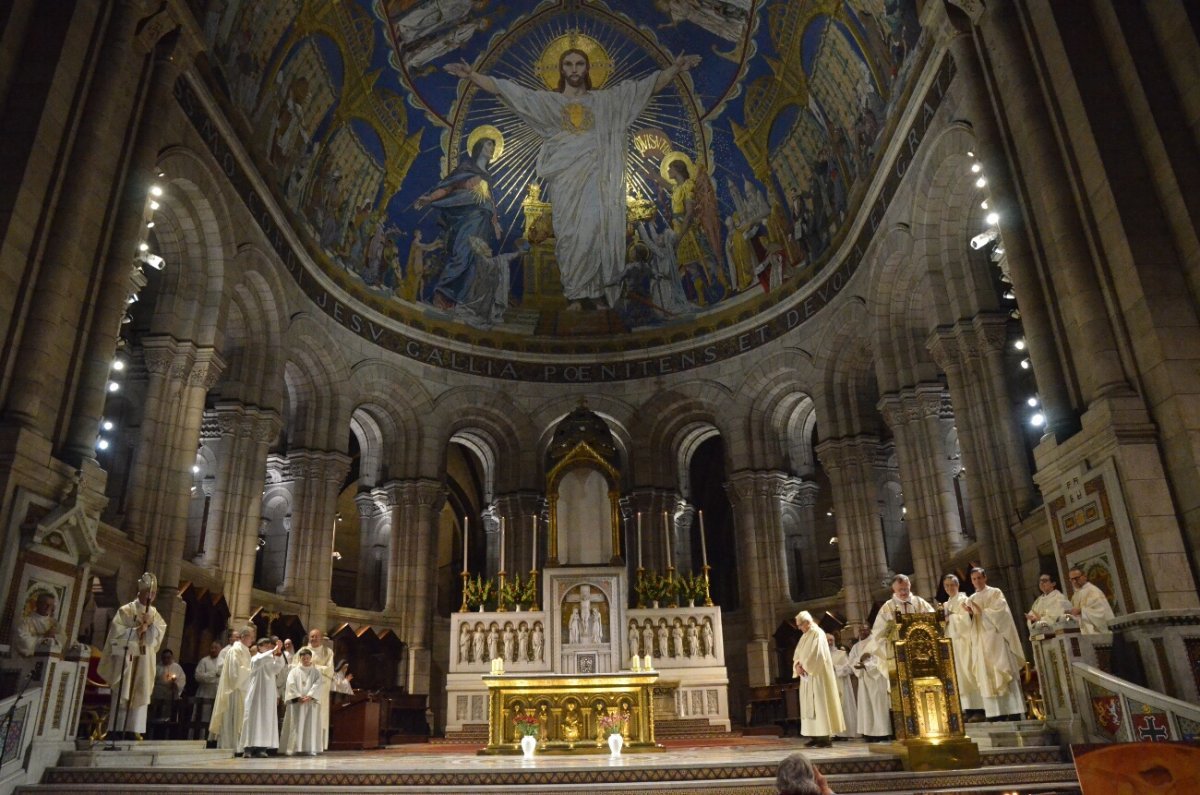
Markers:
point(844, 674)
point(260, 725)
point(1088, 604)
point(820, 706)
point(997, 655)
point(322, 660)
point(874, 702)
point(1051, 605)
point(129, 655)
point(230, 706)
point(959, 628)
point(301, 700)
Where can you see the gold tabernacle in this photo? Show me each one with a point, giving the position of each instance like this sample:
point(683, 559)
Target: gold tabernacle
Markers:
point(568, 709)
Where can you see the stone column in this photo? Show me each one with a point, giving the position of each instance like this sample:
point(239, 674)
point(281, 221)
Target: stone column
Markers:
point(850, 464)
point(412, 571)
point(920, 421)
point(801, 506)
point(317, 477)
point(756, 498)
point(517, 508)
point(651, 503)
point(374, 528)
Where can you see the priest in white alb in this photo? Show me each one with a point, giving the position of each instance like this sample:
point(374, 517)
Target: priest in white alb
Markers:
point(1050, 606)
point(1088, 604)
point(820, 705)
point(584, 135)
point(903, 602)
point(230, 706)
point(960, 630)
point(845, 680)
point(874, 718)
point(996, 651)
point(128, 662)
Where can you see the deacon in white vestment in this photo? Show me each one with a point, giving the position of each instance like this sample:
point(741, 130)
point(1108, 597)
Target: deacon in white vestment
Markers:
point(1050, 606)
point(40, 627)
point(1089, 604)
point(997, 655)
point(820, 705)
point(129, 654)
point(300, 698)
point(322, 660)
point(230, 705)
point(959, 628)
point(584, 135)
point(874, 717)
point(260, 725)
point(208, 676)
point(844, 674)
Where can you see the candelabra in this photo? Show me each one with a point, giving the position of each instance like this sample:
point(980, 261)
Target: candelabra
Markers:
point(463, 608)
point(708, 602)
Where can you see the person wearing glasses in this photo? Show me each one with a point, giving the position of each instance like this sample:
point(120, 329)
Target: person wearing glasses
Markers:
point(1051, 605)
point(1088, 604)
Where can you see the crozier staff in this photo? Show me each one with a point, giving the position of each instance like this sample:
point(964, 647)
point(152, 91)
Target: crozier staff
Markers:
point(129, 654)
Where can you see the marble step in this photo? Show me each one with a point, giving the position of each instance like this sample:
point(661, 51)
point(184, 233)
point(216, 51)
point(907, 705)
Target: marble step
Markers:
point(1012, 734)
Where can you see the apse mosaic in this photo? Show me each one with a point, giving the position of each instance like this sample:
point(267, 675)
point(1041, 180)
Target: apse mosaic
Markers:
point(570, 168)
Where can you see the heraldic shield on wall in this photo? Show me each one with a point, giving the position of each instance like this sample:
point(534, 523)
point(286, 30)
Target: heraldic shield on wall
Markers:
point(569, 170)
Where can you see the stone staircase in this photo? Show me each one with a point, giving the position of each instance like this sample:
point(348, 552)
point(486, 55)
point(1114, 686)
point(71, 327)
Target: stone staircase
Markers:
point(689, 729)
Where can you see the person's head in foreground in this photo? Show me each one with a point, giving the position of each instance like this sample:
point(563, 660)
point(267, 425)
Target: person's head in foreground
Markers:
point(798, 776)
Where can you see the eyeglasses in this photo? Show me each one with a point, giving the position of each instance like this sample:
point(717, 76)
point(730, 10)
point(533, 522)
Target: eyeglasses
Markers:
point(1076, 577)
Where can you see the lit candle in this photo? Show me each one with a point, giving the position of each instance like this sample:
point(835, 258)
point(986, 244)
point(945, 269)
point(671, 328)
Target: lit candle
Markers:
point(533, 557)
point(639, 540)
point(667, 536)
point(466, 527)
point(501, 543)
point(703, 546)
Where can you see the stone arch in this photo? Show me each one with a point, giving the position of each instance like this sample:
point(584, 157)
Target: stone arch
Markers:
point(493, 415)
point(904, 303)
point(847, 393)
point(396, 401)
point(666, 419)
point(252, 344)
point(772, 390)
point(616, 413)
point(318, 407)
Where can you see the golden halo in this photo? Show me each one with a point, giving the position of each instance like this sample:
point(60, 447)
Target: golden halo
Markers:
point(599, 65)
point(664, 168)
point(486, 131)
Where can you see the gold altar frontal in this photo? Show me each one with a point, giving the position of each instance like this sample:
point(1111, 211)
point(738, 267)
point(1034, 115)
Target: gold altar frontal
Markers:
point(568, 708)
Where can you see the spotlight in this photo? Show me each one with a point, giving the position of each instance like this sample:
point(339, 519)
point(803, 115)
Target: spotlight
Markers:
point(113, 386)
point(262, 541)
point(983, 205)
point(983, 238)
point(1015, 314)
point(833, 541)
point(976, 168)
point(1025, 364)
point(195, 470)
point(143, 247)
point(102, 444)
point(155, 191)
point(992, 219)
point(118, 365)
point(1019, 345)
point(153, 205)
point(150, 225)
point(107, 425)
point(337, 555)
point(1038, 420)
point(1009, 295)
point(153, 260)
point(981, 182)
point(1032, 401)
point(969, 154)
point(829, 513)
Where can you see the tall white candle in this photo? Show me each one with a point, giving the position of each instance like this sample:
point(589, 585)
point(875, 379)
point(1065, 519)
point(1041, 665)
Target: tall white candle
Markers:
point(703, 545)
point(667, 536)
point(533, 557)
point(501, 543)
point(466, 527)
point(639, 540)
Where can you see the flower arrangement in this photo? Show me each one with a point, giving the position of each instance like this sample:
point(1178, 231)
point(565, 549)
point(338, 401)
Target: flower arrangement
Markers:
point(518, 592)
point(477, 591)
point(527, 725)
point(610, 723)
point(690, 586)
point(653, 588)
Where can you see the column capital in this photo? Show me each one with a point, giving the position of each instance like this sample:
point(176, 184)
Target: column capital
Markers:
point(848, 451)
point(422, 492)
point(749, 483)
point(991, 331)
point(328, 465)
point(370, 504)
point(804, 494)
point(207, 366)
point(943, 347)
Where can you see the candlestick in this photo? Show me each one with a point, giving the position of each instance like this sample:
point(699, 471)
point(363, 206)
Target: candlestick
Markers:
point(667, 536)
point(533, 557)
point(466, 529)
point(501, 543)
point(639, 540)
point(463, 608)
point(708, 602)
point(703, 546)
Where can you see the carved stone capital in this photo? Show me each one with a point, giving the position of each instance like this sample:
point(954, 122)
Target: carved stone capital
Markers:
point(753, 484)
point(206, 370)
point(804, 494)
point(991, 332)
point(943, 347)
point(848, 452)
point(368, 505)
point(891, 407)
point(158, 360)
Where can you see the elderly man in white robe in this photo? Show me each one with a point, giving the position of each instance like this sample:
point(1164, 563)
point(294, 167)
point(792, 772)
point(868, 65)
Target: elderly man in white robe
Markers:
point(820, 705)
point(1088, 604)
point(873, 720)
point(230, 705)
point(128, 661)
point(260, 724)
point(996, 650)
point(584, 134)
point(903, 602)
point(1051, 604)
point(40, 628)
point(959, 628)
point(845, 680)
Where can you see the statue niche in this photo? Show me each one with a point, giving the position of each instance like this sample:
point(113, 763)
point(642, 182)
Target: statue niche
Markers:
point(583, 490)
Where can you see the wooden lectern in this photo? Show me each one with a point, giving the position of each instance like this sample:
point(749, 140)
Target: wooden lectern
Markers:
point(354, 726)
